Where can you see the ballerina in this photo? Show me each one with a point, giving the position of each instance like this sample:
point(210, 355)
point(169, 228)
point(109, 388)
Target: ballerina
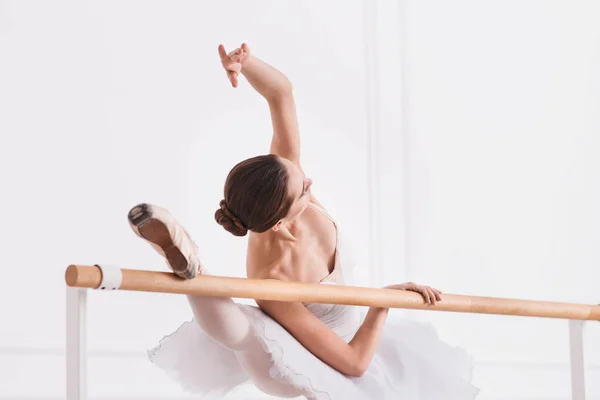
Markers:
point(291, 349)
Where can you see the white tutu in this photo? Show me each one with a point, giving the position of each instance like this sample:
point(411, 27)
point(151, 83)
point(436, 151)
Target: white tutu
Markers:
point(410, 363)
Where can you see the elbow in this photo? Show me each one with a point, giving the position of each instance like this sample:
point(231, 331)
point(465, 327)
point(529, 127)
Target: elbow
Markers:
point(356, 363)
point(281, 91)
point(285, 87)
point(357, 369)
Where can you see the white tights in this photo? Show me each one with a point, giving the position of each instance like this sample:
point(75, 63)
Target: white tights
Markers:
point(222, 320)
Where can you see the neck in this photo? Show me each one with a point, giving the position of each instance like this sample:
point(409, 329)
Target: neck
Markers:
point(285, 232)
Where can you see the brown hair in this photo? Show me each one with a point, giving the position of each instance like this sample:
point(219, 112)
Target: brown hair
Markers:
point(256, 196)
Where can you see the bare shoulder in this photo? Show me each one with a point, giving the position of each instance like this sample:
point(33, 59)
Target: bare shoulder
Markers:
point(275, 272)
point(282, 311)
point(262, 263)
point(274, 308)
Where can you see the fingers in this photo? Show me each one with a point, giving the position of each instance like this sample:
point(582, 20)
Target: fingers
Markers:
point(431, 295)
point(236, 55)
point(226, 59)
point(233, 78)
point(434, 296)
point(425, 293)
point(222, 52)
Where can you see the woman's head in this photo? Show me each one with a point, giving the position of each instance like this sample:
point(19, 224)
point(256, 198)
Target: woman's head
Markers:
point(261, 193)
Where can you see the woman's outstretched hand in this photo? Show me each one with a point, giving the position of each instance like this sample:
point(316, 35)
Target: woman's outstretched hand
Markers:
point(234, 61)
point(430, 294)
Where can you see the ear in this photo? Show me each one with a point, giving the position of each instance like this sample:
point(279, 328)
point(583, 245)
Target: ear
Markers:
point(277, 225)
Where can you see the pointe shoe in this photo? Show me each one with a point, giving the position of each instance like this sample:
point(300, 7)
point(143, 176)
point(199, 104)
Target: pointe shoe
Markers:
point(168, 237)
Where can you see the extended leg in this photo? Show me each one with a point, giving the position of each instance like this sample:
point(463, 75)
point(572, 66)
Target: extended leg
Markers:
point(220, 318)
point(223, 320)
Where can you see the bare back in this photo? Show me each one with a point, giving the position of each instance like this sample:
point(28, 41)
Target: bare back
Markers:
point(307, 255)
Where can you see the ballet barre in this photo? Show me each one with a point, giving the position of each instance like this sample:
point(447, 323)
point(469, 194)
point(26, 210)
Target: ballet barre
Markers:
point(79, 278)
point(112, 278)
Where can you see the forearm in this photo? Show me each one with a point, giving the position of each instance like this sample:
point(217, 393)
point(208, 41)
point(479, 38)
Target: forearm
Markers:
point(266, 79)
point(366, 340)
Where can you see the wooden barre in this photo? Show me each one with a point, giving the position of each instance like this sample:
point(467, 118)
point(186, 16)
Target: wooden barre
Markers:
point(263, 289)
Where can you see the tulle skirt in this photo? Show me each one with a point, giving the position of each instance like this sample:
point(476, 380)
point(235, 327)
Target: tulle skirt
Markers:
point(410, 363)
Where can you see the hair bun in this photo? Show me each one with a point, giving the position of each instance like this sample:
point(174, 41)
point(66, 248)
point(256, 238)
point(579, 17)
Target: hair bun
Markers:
point(229, 221)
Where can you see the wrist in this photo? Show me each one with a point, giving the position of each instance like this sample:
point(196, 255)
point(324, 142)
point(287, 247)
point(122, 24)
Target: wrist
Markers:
point(247, 63)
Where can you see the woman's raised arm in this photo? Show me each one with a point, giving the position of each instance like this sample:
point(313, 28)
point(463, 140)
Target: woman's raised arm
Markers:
point(276, 88)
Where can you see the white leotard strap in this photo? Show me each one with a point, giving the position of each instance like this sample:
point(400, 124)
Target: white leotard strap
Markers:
point(322, 211)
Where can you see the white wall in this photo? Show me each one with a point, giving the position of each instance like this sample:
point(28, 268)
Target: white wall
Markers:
point(502, 122)
point(107, 104)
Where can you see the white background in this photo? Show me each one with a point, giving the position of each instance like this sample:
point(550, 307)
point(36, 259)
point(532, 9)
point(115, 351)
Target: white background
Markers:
point(472, 128)
point(502, 118)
